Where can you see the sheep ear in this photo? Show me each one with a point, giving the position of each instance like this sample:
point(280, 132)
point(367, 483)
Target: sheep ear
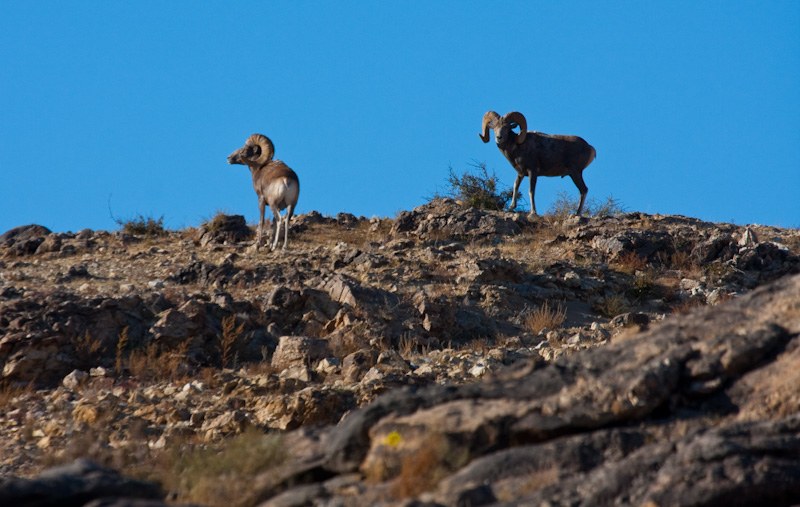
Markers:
point(254, 151)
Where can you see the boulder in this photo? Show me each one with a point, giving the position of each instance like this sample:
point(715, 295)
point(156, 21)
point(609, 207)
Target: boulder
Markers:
point(299, 350)
point(25, 239)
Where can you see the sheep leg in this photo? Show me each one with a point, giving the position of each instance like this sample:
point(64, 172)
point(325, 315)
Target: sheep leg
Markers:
point(532, 177)
point(515, 192)
point(577, 178)
point(277, 221)
point(289, 211)
point(261, 208)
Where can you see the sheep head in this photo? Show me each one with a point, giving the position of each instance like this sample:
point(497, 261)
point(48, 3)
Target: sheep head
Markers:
point(256, 152)
point(503, 125)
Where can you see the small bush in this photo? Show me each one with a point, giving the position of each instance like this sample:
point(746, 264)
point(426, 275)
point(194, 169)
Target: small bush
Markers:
point(151, 362)
point(566, 205)
point(613, 305)
point(630, 262)
point(544, 317)
point(643, 285)
point(477, 189)
point(143, 226)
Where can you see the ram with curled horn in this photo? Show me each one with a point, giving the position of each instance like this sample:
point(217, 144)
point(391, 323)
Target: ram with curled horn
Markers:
point(276, 185)
point(535, 154)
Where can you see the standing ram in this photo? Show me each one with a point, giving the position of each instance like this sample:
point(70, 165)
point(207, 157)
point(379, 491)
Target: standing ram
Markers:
point(534, 154)
point(276, 185)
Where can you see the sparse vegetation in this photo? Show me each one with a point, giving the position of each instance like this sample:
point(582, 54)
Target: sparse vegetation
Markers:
point(630, 262)
point(544, 317)
point(612, 305)
point(217, 475)
point(230, 335)
point(122, 345)
point(477, 188)
point(143, 226)
point(87, 349)
point(452, 306)
point(151, 362)
point(565, 205)
point(643, 285)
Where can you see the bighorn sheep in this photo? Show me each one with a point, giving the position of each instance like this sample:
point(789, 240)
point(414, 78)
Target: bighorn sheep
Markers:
point(535, 154)
point(275, 184)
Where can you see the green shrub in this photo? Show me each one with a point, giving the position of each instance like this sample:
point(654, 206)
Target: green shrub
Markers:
point(143, 226)
point(477, 188)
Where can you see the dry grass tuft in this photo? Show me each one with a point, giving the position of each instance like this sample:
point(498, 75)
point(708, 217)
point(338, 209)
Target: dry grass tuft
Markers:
point(332, 234)
point(687, 306)
point(612, 305)
point(630, 263)
point(10, 395)
point(230, 335)
point(122, 344)
point(544, 317)
point(87, 349)
point(153, 363)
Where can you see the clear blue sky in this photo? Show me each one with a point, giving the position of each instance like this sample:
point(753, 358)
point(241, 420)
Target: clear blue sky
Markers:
point(693, 107)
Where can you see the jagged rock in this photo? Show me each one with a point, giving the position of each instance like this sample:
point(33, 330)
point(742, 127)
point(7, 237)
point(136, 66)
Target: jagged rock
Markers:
point(630, 319)
point(597, 395)
point(643, 243)
point(719, 246)
point(299, 349)
point(356, 365)
point(345, 290)
point(286, 299)
point(47, 335)
point(385, 305)
point(25, 239)
point(225, 228)
point(177, 325)
point(74, 379)
point(347, 220)
point(769, 259)
point(51, 243)
point(445, 216)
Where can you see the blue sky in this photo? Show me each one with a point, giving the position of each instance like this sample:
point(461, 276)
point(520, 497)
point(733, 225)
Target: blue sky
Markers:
point(693, 107)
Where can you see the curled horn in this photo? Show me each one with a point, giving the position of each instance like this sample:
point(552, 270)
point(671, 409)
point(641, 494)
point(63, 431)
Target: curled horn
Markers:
point(516, 117)
point(490, 116)
point(267, 148)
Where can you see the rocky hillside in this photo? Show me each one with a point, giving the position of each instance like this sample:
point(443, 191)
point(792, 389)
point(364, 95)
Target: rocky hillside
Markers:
point(445, 357)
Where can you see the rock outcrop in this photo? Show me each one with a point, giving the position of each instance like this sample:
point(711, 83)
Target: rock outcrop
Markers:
point(447, 357)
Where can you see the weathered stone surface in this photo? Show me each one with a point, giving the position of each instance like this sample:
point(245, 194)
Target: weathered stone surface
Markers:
point(446, 216)
point(649, 377)
point(24, 240)
point(416, 363)
point(225, 228)
point(299, 350)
